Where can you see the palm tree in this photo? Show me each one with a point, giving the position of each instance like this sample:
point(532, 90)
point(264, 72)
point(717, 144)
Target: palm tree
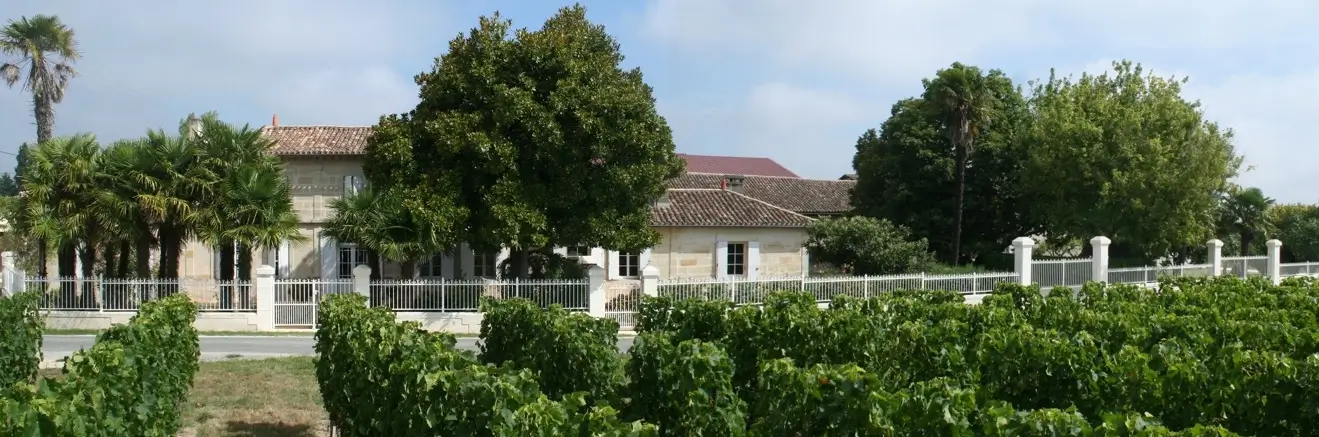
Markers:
point(253, 206)
point(383, 224)
point(181, 183)
point(128, 218)
point(46, 50)
point(64, 180)
point(960, 95)
point(1244, 211)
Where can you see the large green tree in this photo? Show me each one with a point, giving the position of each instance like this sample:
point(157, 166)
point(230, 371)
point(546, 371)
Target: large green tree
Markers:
point(45, 49)
point(534, 138)
point(908, 173)
point(1122, 154)
point(1298, 228)
point(962, 99)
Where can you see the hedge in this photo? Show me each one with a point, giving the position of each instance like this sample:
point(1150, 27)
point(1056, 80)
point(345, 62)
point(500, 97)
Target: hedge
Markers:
point(1194, 357)
point(20, 343)
point(567, 351)
point(383, 378)
point(132, 382)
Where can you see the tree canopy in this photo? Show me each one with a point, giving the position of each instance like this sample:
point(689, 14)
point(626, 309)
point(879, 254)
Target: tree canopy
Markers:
point(1123, 155)
point(907, 173)
point(531, 138)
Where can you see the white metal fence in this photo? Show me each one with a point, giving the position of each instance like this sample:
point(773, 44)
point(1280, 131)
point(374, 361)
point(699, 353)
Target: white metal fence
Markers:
point(621, 299)
point(113, 294)
point(1298, 269)
point(296, 300)
point(744, 291)
point(1050, 273)
point(1151, 274)
point(1244, 266)
point(449, 295)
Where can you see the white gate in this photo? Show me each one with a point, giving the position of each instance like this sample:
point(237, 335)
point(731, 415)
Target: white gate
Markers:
point(297, 300)
point(621, 299)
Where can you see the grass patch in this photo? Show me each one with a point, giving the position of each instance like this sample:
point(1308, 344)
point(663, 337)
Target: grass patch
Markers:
point(252, 398)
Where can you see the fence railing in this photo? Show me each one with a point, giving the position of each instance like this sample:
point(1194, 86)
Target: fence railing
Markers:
point(1244, 266)
point(115, 294)
point(752, 291)
point(449, 295)
point(1050, 273)
point(1150, 274)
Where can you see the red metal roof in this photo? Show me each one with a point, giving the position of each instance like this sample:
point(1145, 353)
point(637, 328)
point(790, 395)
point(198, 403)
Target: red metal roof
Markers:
point(735, 165)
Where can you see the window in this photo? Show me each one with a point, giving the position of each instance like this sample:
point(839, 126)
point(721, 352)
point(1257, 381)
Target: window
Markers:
point(737, 259)
point(484, 266)
point(432, 267)
point(629, 264)
point(350, 256)
point(579, 251)
point(353, 184)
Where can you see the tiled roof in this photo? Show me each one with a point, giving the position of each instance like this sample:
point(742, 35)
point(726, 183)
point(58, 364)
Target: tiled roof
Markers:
point(803, 196)
point(735, 165)
point(317, 140)
point(722, 208)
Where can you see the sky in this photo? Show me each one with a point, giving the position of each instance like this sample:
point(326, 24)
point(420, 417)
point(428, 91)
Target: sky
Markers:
point(790, 80)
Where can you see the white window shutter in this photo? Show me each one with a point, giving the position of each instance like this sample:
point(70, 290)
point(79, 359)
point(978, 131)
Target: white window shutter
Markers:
point(347, 185)
point(643, 260)
point(329, 258)
point(359, 183)
point(598, 256)
point(721, 259)
point(561, 251)
point(611, 270)
point(215, 262)
point(468, 260)
point(753, 259)
point(282, 266)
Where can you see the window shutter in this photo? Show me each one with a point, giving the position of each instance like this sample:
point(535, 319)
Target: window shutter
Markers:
point(282, 266)
point(643, 260)
point(446, 264)
point(561, 251)
point(215, 262)
point(347, 185)
point(329, 258)
point(721, 259)
point(611, 270)
point(597, 256)
point(467, 260)
point(753, 259)
point(359, 183)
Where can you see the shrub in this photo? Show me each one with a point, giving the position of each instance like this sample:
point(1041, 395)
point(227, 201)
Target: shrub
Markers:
point(685, 388)
point(867, 246)
point(379, 377)
point(699, 319)
point(132, 382)
point(20, 338)
point(569, 352)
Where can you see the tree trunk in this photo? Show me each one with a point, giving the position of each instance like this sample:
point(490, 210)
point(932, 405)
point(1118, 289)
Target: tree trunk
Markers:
point(1246, 239)
point(245, 290)
point(125, 253)
point(88, 257)
point(66, 262)
point(957, 218)
point(43, 111)
point(111, 259)
point(43, 258)
point(226, 254)
point(142, 257)
point(373, 260)
point(171, 242)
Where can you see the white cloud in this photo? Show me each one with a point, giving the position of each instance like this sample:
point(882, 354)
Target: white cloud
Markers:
point(146, 64)
point(1250, 63)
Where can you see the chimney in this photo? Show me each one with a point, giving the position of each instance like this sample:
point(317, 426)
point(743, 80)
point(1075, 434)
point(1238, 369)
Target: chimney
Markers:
point(734, 183)
point(274, 120)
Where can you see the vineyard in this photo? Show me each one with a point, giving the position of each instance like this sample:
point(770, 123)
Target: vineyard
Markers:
point(1194, 357)
point(133, 382)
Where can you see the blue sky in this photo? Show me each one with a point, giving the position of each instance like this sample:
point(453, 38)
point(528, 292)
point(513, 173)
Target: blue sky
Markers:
point(793, 81)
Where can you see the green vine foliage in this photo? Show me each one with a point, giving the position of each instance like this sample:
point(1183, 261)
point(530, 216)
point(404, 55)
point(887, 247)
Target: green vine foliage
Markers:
point(568, 351)
point(379, 377)
point(133, 382)
point(20, 342)
point(1191, 357)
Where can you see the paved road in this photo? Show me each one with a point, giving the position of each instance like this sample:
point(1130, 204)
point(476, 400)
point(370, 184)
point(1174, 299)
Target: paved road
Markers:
point(57, 347)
